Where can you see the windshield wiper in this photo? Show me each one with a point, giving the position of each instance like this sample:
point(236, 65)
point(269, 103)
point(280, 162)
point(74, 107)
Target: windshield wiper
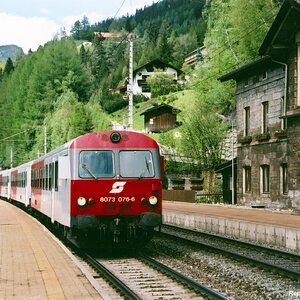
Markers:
point(146, 169)
point(89, 171)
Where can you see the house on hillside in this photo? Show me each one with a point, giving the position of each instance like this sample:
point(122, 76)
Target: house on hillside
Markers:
point(160, 118)
point(268, 116)
point(112, 35)
point(194, 57)
point(140, 86)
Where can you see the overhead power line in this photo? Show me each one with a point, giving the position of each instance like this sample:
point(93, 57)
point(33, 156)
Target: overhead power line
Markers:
point(8, 137)
point(119, 8)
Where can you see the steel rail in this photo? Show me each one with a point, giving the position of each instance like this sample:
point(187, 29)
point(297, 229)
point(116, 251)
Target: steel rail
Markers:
point(291, 273)
point(287, 254)
point(122, 288)
point(193, 284)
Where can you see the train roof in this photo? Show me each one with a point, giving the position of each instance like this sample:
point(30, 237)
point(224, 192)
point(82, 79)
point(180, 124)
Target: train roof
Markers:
point(100, 140)
point(110, 140)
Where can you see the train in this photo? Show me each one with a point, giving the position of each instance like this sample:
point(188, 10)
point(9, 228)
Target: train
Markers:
point(105, 186)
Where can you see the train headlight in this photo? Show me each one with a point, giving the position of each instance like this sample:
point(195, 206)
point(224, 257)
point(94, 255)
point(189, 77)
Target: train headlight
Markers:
point(115, 137)
point(81, 201)
point(153, 200)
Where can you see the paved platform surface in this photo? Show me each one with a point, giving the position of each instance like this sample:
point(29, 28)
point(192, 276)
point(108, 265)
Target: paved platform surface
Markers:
point(280, 228)
point(256, 215)
point(33, 265)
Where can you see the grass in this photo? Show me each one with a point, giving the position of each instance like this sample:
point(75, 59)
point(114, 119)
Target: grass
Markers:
point(183, 100)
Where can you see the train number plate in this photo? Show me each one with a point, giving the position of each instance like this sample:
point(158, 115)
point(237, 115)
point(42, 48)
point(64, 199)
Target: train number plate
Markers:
point(117, 199)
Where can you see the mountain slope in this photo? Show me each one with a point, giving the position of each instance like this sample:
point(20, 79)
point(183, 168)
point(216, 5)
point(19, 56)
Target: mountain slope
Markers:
point(11, 51)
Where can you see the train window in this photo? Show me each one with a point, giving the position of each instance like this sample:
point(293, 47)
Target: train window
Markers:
point(96, 164)
point(40, 180)
point(56, 176)
point(50, 176)
point(136, 164)
point(44, 178)
point(47, 178)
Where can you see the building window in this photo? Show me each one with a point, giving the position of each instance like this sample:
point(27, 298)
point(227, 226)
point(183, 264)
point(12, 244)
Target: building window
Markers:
point(298, 88)
point(255, 79)
point(247, 179)
point(283, 120)
point(264, 75)
point(265, 110)
point(283, 177)
point(247, 120)
point(265, 179)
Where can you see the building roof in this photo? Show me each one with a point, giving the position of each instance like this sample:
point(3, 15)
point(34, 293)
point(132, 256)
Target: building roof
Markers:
point(246, 69)
point(276, 42)
point(106, 35)
point(194, 56)
point(283, 29)
point(158, 107)
point(156, 63)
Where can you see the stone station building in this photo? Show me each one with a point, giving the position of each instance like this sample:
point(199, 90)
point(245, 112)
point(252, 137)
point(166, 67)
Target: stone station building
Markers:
point(268, 116)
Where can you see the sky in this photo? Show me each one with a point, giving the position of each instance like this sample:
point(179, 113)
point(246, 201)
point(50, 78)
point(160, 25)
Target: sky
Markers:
point(31, 23)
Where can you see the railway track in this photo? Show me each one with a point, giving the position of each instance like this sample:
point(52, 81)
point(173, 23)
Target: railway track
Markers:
point(139, 277)
point(279, 261)
point(142, 277)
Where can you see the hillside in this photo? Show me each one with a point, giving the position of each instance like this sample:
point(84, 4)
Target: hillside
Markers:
point(11, 51)
point(67, 90)
point(185, 100)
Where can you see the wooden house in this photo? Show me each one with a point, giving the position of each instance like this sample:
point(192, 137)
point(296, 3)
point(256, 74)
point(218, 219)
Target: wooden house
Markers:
point(160, 118)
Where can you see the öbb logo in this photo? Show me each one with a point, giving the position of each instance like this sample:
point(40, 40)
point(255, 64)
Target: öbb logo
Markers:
point(118, 187)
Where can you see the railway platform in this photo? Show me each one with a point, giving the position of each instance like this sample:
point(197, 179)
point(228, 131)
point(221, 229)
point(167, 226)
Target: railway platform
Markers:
point(33, 264)
point(280, 228)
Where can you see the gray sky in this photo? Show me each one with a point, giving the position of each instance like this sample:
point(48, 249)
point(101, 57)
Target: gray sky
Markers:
point(30, 23)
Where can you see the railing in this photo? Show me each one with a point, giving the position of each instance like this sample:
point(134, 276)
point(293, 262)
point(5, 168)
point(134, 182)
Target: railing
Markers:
point(209, 198)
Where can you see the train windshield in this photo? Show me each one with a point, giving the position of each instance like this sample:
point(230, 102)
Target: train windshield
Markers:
point(96, 164)
point(136, 164)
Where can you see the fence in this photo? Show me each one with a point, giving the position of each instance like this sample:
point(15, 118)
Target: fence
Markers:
point(209, 198)
point(179, 196)
point(191, 196)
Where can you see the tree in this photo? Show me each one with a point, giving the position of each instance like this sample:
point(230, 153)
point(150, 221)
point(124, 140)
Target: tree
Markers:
point(202, 141)
point(9, 66)
point(98, 60)
point(164, 48)
point(83, 55)
point(76, 30)
point(161, 84)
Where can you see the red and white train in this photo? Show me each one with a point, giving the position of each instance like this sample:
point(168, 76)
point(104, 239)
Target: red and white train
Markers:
point(105, 185)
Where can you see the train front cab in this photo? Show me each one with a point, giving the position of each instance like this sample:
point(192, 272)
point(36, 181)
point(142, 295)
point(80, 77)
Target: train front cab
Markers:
point(116, 194)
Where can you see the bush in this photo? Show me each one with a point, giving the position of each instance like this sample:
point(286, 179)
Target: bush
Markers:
point(112, 102)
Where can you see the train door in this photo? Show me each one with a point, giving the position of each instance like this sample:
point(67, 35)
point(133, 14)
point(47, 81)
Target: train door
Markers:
point(8, 184)
point(53, 187)
point(27, 185)
point(62, 203)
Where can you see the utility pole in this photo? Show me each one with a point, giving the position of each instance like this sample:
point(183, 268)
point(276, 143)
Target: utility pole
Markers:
point(130, 85)
point(45, 139)
point(232, 137)
point(11, 156)
point(232, 163)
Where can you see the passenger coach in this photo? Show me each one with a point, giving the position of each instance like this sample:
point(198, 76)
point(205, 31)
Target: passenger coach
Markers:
point(103, 185)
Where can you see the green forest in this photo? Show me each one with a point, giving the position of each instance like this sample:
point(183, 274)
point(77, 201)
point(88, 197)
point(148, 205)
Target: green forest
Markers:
point(63, 87)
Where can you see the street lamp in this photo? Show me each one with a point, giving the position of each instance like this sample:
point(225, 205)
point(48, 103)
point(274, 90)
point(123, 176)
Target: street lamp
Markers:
point(232, 155)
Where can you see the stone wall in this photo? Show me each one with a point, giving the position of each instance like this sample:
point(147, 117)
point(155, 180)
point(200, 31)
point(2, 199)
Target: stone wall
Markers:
point(273, 151)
